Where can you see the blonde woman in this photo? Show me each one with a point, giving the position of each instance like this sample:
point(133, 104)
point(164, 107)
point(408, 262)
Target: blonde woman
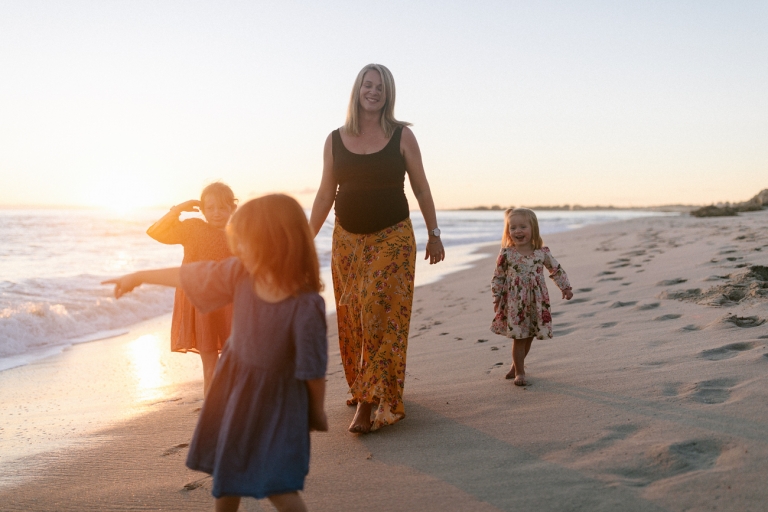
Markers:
point(365, 163)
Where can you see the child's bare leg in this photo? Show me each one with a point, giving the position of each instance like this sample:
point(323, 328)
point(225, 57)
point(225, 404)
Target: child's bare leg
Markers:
point(520, 349)
point(227, 504)
point(361, 424)
point(209, 367)
point(288, 502)
point(511, 373)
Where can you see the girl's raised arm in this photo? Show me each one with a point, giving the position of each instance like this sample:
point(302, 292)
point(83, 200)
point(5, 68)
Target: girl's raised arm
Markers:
point(161, 229)
point(162, 276)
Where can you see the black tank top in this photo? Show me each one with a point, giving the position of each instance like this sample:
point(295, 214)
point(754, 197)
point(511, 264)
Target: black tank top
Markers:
point(371, 194)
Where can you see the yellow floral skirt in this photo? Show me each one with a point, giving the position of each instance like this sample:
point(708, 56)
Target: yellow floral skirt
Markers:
point(373, 286)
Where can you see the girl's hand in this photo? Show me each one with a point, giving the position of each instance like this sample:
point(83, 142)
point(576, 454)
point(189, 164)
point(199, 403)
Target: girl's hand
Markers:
point(435, 252)
point(124, 284)
point(567, 294)
point(318, 422)
point(193, 205)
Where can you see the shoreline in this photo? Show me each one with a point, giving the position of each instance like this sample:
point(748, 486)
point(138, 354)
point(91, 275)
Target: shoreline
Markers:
point(641, 401)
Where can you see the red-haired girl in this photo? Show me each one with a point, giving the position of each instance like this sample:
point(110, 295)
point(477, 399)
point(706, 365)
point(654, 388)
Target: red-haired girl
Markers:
point(269, 387)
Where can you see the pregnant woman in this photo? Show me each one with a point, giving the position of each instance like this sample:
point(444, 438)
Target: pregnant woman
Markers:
point(374, 249)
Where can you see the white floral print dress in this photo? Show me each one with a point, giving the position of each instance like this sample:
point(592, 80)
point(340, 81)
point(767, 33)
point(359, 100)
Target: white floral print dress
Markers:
point(518, 283)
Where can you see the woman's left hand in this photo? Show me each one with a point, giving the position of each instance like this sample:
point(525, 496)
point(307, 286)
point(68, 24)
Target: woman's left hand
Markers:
point(435, 252)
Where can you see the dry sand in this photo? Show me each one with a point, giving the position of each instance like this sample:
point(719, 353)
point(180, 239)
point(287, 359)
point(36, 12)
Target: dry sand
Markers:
point(652, 396)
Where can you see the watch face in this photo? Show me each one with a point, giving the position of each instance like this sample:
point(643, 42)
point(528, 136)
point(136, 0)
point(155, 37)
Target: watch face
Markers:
point(436, 232)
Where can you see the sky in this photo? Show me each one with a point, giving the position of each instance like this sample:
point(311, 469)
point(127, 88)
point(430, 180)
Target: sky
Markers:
point(142, 103)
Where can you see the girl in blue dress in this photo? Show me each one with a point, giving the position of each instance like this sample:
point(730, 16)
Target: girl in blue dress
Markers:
point(268, 391)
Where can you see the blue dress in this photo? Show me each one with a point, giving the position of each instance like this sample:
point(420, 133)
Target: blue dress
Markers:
point(253, 431)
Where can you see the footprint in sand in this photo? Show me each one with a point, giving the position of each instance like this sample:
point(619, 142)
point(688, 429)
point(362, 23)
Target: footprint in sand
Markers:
point(670, 316)
point(662, 462)
point(191, 486)
point(744, 321)
point(691, 293)
point(650, 305)
point(671, 282)
point(605, 273)
point(619, 304)
point(608, 324)
point(728, 351)
point(584, 290)
point(610, 279)
point(497, 365)
point(578, 301)
point(690, 328)
point(715, 391)
point(175, 449)
point(614, 434)
point(564, 332)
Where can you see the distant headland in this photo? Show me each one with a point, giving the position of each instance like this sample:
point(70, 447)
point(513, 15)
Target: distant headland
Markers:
point(758, 202)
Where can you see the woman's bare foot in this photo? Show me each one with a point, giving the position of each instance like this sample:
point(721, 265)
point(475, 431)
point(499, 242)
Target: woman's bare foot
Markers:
point(520, 380)
point(511, 373)
point(361, 424)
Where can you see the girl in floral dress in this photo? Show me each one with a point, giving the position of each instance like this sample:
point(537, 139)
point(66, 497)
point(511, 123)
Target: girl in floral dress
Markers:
point(520, 297)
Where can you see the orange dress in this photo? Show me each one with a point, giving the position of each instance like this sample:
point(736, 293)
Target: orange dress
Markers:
point(192, 330)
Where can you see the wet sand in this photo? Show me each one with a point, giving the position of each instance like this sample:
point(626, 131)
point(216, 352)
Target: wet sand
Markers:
point(652, 396)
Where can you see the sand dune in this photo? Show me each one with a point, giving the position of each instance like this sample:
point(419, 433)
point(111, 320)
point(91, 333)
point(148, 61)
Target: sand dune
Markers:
point(652, 396)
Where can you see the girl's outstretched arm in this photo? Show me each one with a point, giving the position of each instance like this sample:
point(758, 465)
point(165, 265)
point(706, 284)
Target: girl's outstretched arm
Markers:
point(162, 276)
point(317, 418)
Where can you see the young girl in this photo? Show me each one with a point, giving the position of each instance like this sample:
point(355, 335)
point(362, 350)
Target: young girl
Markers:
point(520, 297)
point(203, 240)
point(269, 387)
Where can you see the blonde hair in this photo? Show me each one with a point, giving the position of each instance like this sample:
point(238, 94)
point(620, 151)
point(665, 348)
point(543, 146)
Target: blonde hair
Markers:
point(271, 236)
point(220, 191)
point(387, 120)
point(506, 239)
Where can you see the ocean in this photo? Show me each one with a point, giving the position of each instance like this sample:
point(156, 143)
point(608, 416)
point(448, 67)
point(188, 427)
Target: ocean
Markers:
point(53, 261)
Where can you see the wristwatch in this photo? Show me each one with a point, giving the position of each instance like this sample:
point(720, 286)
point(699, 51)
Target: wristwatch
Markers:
point(435, 232)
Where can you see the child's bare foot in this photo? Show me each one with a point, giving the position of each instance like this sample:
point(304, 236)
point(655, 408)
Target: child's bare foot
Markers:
point(520, 380)
point(511, 373)
point(361, 423)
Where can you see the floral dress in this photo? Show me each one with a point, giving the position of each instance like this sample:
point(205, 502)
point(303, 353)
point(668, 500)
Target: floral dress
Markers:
point(518, 285)
point(373, 284)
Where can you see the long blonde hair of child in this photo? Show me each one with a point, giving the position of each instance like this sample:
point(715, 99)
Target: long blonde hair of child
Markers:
point(506, 238)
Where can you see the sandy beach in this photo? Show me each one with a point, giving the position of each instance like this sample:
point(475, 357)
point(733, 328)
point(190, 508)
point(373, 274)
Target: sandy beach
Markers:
point(652, 396)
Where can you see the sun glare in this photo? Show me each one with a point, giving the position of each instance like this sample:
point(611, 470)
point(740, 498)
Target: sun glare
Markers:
point(144, 356)
point(120, 195)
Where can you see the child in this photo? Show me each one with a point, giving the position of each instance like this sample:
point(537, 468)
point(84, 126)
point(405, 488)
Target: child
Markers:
point(269, 387)
point(520, 297)
point(203, 240)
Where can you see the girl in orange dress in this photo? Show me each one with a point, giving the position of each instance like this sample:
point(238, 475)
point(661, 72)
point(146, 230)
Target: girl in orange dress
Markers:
point(203, 240)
